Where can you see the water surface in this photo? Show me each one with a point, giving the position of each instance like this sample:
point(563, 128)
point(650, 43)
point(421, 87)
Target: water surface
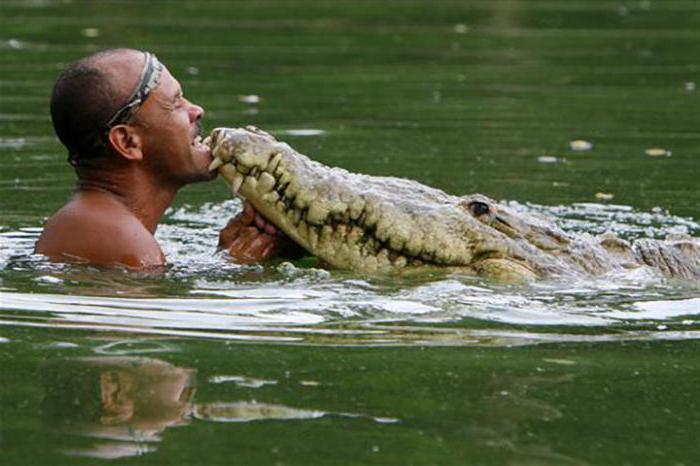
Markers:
point(294, 364)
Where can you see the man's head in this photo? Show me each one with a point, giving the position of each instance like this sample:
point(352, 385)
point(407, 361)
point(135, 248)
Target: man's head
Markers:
point(123, 106)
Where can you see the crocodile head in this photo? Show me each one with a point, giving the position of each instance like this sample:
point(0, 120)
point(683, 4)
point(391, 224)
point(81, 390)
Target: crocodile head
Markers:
point(378, 224)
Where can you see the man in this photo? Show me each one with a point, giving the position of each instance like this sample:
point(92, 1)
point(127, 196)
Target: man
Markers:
point(134, 141)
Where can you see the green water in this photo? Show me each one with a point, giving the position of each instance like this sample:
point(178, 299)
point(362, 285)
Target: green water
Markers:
point(214, 363)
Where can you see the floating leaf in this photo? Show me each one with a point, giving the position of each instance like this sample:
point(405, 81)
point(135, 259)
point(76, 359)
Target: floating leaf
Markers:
point(579, 145)
point(657, 152)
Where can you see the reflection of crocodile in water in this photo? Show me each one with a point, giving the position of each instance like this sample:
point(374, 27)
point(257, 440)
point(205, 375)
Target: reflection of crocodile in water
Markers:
point(379, 224)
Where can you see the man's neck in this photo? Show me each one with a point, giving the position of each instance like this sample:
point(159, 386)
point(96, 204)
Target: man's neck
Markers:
point(141, 193)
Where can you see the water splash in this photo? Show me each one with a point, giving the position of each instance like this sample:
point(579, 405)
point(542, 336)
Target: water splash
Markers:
point(204, 295)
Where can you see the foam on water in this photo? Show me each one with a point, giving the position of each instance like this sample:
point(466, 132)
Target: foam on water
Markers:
point(203, 294)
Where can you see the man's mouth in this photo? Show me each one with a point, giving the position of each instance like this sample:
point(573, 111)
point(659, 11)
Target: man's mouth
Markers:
point(198, 145)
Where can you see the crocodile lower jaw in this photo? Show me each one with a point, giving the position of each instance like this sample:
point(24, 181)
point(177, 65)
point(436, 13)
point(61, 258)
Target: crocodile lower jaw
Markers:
point(346, 239)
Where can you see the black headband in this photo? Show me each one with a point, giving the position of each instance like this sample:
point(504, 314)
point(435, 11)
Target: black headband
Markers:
point(150, 77)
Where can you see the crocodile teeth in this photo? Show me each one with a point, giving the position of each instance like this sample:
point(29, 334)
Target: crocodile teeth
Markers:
point(274, 163)
point(216, 163)
point(250, 183)
point(266, 182)
point(270, 197)
point(236, 183)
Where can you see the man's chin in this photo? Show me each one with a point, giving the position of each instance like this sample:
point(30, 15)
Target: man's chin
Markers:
point(202, 160)
point(204, 175)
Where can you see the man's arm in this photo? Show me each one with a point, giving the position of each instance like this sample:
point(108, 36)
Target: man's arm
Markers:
point(249, 238)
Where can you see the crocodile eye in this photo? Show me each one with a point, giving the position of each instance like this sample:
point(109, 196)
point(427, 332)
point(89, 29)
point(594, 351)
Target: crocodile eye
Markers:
point(479, 208)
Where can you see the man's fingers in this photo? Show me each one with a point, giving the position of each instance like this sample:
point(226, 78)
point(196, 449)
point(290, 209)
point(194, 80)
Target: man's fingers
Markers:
point(263, 224)
point(252, 245)
point(248, 237)
point(260, 221)
point(270, 249)
point(248, 213)
point(270, 229)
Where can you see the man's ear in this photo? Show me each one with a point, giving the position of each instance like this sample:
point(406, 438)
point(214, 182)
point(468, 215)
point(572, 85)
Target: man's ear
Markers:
point(126, 142)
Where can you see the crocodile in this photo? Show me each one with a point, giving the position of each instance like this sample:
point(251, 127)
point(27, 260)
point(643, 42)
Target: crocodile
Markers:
point(377, 225)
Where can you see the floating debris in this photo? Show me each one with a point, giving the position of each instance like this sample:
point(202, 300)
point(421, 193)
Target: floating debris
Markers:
point(689, 86)
point(548, 159)
point(303, 132)
point(90, 32)
point(309, 383)
point(192, 70)
point(461, 28)
point(14, 44)
point(657, 152)
point(579, 145)
point(249, 99)
point(563, 362)
point(604, 196)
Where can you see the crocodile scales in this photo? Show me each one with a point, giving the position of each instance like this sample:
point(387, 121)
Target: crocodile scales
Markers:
point(382, 224)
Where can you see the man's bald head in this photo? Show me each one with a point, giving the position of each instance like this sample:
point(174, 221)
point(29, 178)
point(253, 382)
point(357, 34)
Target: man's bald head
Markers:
point(88, 93)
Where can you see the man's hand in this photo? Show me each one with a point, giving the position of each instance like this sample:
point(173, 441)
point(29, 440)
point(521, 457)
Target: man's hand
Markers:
point(249, 238)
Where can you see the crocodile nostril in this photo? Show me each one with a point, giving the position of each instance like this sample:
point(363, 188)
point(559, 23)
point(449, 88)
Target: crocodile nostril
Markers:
point(479, 208)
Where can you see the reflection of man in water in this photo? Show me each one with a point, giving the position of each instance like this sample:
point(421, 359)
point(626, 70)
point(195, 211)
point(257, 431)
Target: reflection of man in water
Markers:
point(134, 141)
point(124, 401)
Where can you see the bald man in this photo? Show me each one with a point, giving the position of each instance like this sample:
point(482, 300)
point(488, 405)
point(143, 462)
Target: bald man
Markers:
point(134, 141)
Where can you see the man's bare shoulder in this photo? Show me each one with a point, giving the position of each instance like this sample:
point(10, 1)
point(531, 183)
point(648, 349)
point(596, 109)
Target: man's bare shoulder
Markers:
point(100, 231)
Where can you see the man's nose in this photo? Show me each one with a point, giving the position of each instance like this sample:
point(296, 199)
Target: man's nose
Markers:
point(196, 112)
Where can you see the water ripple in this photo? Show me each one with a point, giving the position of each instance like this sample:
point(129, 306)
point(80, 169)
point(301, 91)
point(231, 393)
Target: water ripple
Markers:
point(204, 295)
